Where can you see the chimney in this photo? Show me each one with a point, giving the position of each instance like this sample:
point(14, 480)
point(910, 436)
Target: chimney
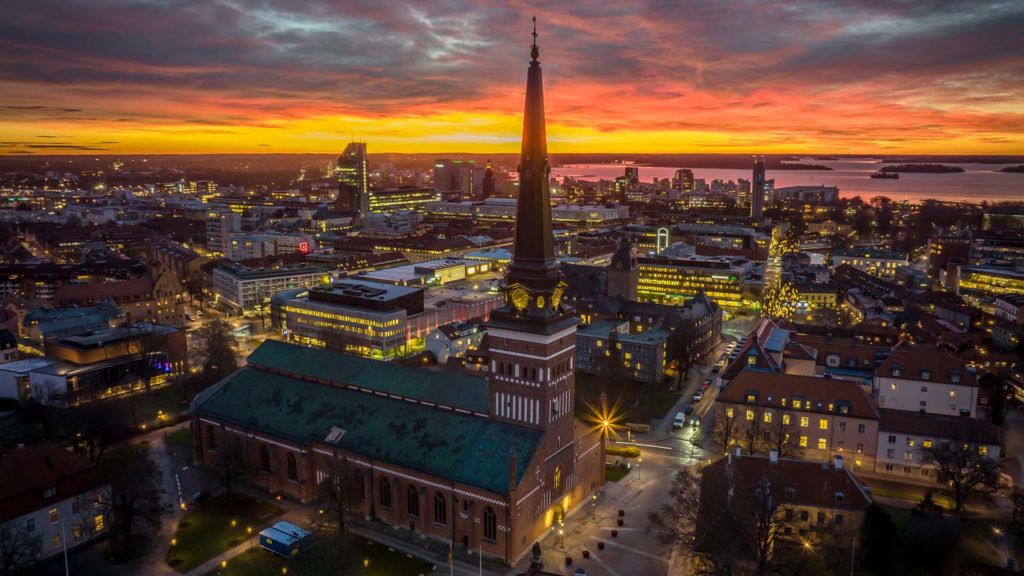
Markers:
point(839, 462)
point(773, 455)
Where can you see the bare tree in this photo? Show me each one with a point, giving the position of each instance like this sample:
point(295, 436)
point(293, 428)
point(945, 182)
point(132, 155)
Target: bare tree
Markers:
point(232, 461)
point(18, 549)
point(136, 497)
point(753, 435)
point(726, 428)
point(967, 471)
point(780, 436)
point(337, 493)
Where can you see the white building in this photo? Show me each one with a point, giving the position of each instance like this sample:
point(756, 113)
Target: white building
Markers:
point(221, 223)
point(454, 340)
point(50, 499)
point(242, 289)
point(926, 379)
point(874, 261)
point(246, 246)
point(902, 437)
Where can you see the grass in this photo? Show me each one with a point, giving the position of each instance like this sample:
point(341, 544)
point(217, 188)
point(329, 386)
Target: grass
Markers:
point(636, 402)
point(334, 555)
point(206, 531)
point(180, 437)
point(148, 404)
point(615, 473)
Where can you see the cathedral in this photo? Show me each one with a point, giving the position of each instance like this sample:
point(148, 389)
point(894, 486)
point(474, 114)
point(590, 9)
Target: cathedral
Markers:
point(484, 463)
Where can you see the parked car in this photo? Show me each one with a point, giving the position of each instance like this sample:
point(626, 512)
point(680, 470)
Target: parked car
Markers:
point(688, 409)
point(698, 396)
point(198, 497)
point(706, 384)
point(580, 572)
point(188, 317)
point(678, 421)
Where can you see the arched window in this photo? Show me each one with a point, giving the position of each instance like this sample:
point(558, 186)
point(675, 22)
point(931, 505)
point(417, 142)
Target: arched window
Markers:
point(490, 524)
point(265, 458)
point(384, 488)
point(557, 488)
point(211, 440)
point(412, 503)
point(440, 509)
point(357, 484)
point(293, 468)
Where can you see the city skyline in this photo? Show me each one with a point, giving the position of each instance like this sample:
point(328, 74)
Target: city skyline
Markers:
point(184, 77)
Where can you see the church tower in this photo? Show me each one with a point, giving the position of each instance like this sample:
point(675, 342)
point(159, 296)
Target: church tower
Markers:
point(533, 336)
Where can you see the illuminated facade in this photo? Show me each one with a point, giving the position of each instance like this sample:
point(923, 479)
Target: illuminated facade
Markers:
point(353, 180)
point(678, 279)
point(395, 199)
point(243, 289)
point(881, 263)
point(980, 285)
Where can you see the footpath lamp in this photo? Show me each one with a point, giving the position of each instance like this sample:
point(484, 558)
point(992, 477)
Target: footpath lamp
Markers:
point(249, 531)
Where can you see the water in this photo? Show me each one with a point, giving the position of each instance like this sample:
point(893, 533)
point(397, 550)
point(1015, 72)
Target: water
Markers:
point(978, 181)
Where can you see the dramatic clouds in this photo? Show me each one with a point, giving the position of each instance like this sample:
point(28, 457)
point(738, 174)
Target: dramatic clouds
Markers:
point(447, 75)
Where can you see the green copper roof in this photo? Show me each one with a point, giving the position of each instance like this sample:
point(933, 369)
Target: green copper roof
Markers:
point(446, 388)
point(463, 448)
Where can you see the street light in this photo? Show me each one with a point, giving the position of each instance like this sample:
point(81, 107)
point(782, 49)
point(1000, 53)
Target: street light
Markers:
point(248, 530)
point(593, 507)
point(639, 476)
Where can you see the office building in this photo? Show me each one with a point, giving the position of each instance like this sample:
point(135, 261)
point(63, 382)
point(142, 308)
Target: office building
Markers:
point(488, 190)
point(668, 280)
point(402, 198)
point(242, 289)
point(683, 180)
point(353, 180)
point(757, 189)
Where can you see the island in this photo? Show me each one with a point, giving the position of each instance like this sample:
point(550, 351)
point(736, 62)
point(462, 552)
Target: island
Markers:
point(1015, 169)
point(922, 168)
point(798, 166)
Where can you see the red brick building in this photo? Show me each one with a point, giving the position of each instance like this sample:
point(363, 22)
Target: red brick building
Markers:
point(483, 463)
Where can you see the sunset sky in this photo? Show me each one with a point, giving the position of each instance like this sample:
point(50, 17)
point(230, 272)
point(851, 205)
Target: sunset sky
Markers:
point(849, 76)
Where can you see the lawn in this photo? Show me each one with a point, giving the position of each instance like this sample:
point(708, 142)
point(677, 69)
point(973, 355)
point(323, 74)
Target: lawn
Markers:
point(149, 404)
point(347, 555)
point(638, 402)
point(180, 437)
point(206, 530)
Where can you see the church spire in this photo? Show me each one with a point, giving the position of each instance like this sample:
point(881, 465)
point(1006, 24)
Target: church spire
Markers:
point(534, 279)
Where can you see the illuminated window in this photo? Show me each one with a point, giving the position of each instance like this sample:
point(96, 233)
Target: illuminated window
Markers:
point(803, 441)
point(822, 444)
point(98, 523)
point(927, 444)
point(750, 414)
point(823, 424)
point(785, 419)
point(728, 412)
point(804, 422)
point(952, 393)
point(54, 517)
point(983, 450)
point(767, 417)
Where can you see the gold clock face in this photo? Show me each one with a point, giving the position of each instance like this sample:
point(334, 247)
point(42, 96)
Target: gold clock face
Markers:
point(520, 298)
point(540, 301)
point(556, 297)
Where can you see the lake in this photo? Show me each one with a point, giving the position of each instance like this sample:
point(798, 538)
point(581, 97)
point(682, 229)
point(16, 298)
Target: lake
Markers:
point(978, 181)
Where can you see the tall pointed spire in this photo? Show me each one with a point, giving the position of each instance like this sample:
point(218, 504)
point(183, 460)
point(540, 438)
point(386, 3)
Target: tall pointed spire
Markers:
point(534, 279)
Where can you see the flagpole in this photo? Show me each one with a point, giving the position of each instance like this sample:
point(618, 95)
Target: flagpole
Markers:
point(480, 553)
point(64, 544)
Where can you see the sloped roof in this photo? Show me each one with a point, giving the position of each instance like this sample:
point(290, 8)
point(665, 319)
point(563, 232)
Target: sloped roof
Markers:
point(463, 448)
point(940, 426)
point(940, 364)
point(28, 472)
point(455, 390)
point(817, 391)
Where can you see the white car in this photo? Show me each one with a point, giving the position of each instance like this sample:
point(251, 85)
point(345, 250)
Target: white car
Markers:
point(678, 421)
point(698, 396)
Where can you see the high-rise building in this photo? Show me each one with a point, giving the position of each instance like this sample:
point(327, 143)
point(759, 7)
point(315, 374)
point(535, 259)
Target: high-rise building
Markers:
point(683, 180)
point(444, 175)
point(353, 180)
point(488, 183)
point(220, 225)
point(757, 189)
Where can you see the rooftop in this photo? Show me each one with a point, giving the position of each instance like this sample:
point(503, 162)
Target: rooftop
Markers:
point(447, 444)
point(817, 394)
point(29, 472)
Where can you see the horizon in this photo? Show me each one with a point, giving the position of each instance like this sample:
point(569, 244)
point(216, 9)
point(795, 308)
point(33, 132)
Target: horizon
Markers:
point(250, 78)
